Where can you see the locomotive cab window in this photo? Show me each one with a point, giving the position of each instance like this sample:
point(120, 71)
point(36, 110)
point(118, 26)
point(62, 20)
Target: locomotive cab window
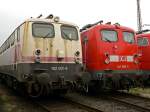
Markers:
point(69, 32)
point(43, 30)
point(109, 35)
point(142, 42)
point(128, 37)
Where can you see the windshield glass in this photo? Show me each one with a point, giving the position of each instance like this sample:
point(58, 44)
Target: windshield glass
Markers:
point(143, 41)
point(109, 35)
point(69, 32)
point(128, 37)
point(43, 30)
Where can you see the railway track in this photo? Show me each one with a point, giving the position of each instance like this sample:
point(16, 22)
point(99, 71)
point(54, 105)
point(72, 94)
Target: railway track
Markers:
point(137, 102)
point(63, 104)
point(114, 103)
point(118, 102)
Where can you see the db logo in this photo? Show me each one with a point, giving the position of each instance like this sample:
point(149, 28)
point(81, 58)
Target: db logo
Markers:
point(122, 58)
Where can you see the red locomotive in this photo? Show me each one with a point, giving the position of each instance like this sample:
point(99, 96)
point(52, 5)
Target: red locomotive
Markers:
point(110, 55)
point(143, 41)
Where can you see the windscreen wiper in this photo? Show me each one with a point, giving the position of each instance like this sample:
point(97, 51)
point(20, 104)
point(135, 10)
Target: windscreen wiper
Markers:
point(107, 40)
point(46, 35)
point(66, 36)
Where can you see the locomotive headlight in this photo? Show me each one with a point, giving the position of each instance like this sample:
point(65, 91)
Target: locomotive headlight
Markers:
point(136, 61)
point(77, 54)
point(106, 54)
point(136, 55)
point(60, 54)
point(77, 60)
point(37, 52)
point(107, 61)
point(37, 59)
point(76, 57)
point(140, 54)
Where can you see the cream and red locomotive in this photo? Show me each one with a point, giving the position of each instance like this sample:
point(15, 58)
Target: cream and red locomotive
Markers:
point(43, 54)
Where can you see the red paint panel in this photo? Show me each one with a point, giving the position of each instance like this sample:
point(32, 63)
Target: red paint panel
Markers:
point(144, 52)
point(96, 51)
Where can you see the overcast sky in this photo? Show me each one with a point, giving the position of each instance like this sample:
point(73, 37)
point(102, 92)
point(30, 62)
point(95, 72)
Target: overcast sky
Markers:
point(81, 12)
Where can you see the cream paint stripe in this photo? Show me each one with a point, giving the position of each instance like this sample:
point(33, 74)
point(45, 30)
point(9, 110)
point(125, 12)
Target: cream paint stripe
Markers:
point(65, 46)
point(42, 45)
point(25, 38)
point(51, 47)
point(36, 42)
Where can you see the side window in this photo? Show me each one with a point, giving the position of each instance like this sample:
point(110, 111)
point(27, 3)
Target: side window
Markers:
point(143, 41)
point(21, 28)
point(7, 44)
point(109, 35)
point(85, 39)
point(18, 34)
point(3, 47)
point(128, 37)
point(12, 39)
point(0, 50)
point(43, 30)
point(69, 32)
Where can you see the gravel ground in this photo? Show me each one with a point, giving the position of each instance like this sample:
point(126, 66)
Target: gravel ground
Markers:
point(11, 102)
point(57, 104)
point(141, 92)
point(101, 103)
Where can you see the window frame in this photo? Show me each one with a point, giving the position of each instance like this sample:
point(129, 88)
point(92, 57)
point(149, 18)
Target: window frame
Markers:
point(2, 47)
point(46, 23)
point(18, 34)
point(133, 37)
point(71, 27)
point(142, 40)
point(109, 30)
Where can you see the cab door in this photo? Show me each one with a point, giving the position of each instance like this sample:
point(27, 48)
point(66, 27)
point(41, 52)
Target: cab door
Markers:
point(108, 45)
point(143, 43)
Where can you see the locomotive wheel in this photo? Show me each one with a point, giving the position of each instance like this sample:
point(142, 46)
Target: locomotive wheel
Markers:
point(141, 83)
point(1, 79)
point(34, 89)
point(108, 84)
point(86, 88)
point(9, 82)
point(125, 84)
point(46, 90)
point(15, 84)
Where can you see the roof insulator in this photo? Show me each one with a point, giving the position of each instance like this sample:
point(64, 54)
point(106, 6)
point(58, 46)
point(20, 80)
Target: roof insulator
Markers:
point(39, 16)
point(143, 31)
point(99, 22)
point(117, 24)
point(108, 23)
point(49, 16)
point(90, 25)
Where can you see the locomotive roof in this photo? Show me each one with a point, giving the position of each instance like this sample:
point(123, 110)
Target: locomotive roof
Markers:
point(49, 21)
point(109, 26)
point(43, 20)
point(144, 35)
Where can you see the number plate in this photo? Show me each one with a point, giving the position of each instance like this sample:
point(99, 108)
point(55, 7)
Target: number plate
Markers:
point(61, 68)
